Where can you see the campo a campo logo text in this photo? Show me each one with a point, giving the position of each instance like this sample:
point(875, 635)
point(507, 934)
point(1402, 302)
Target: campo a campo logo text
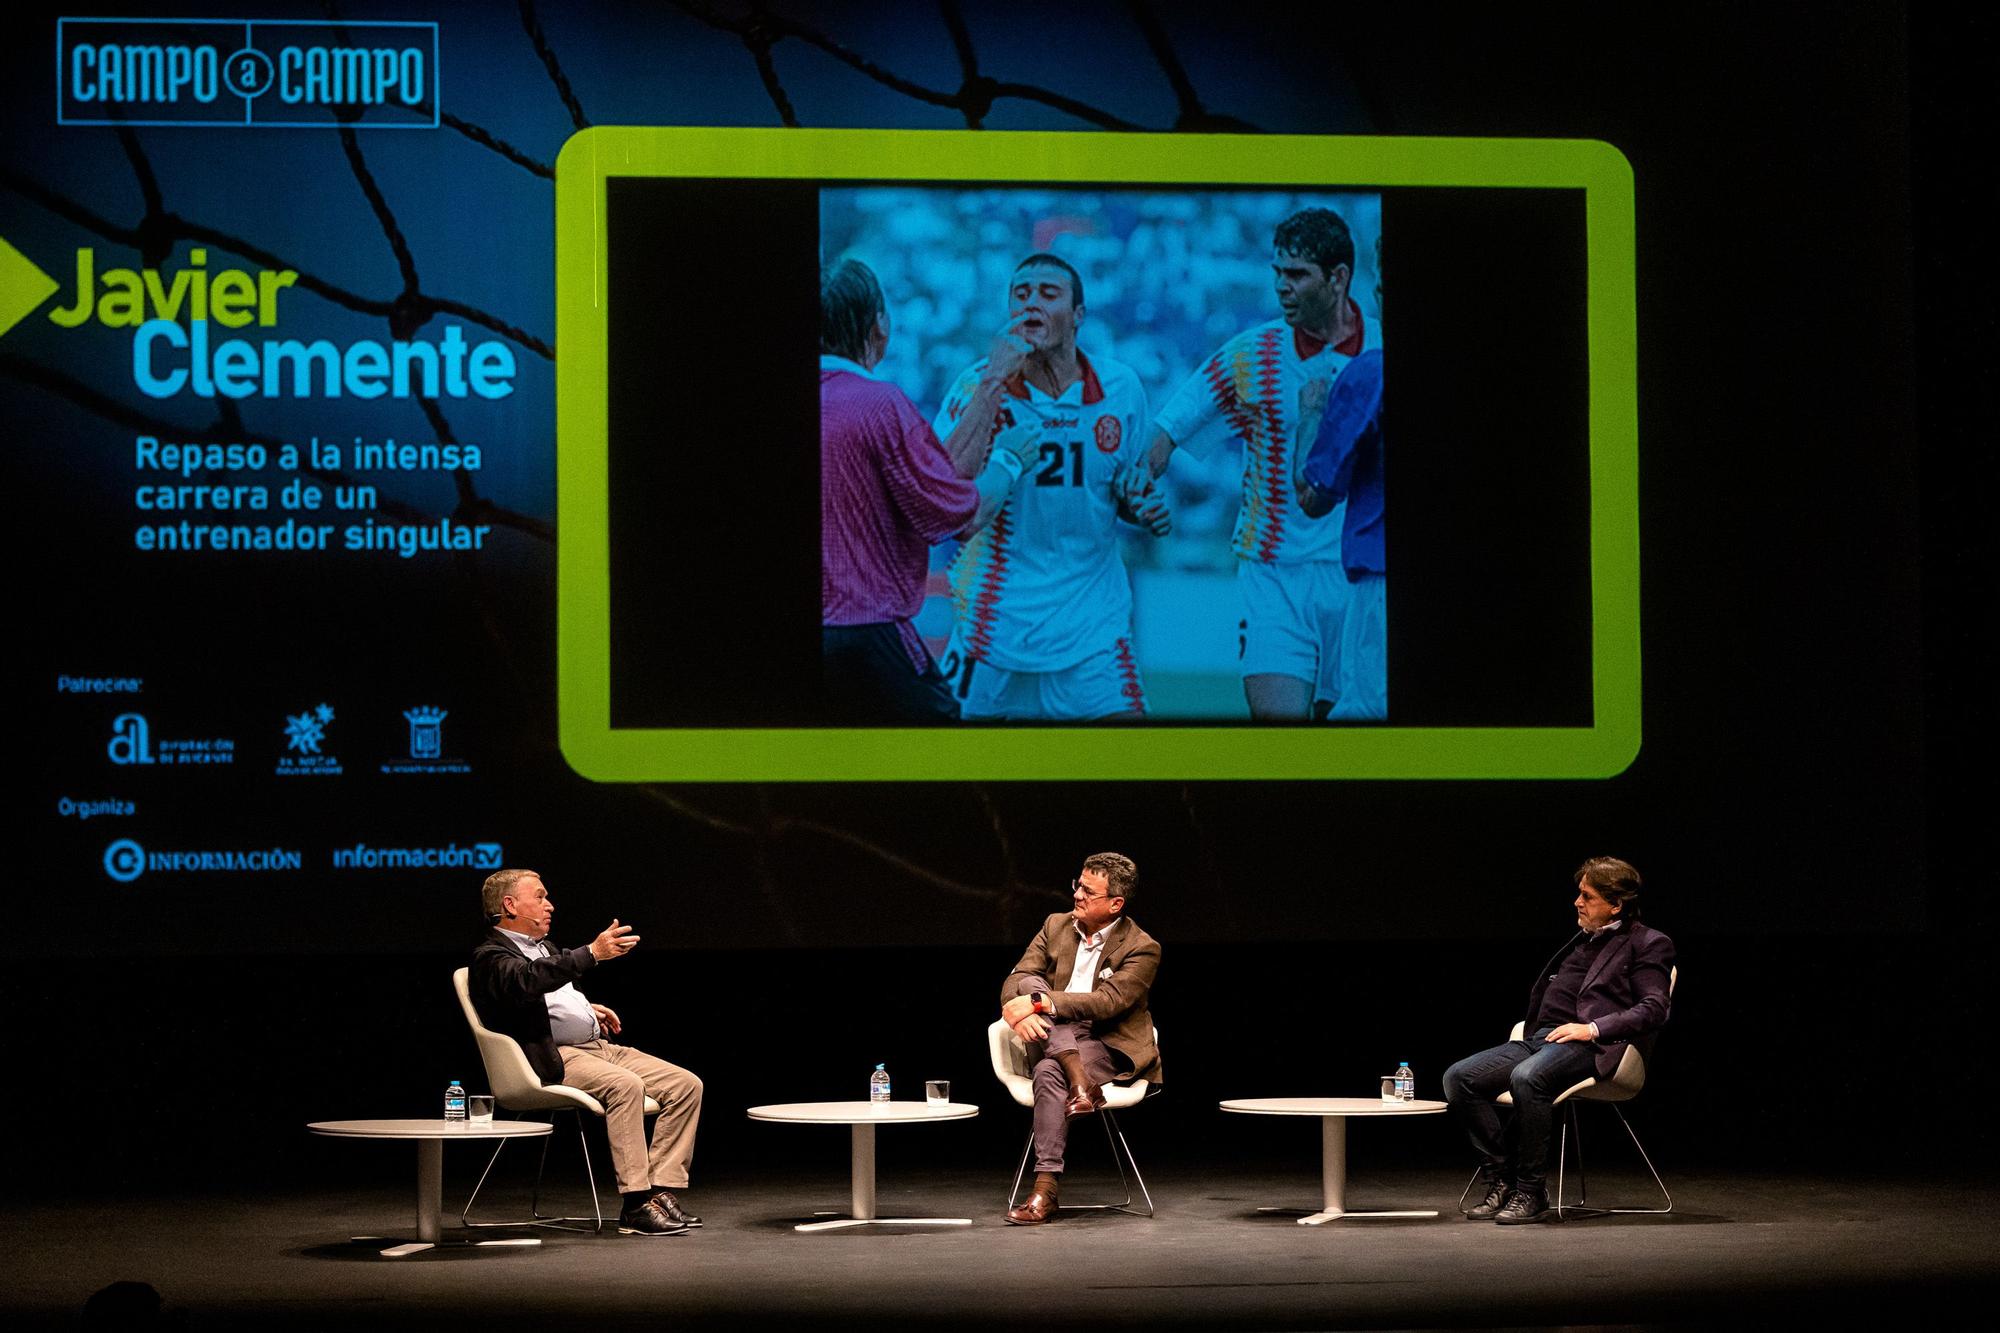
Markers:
point(279, 73)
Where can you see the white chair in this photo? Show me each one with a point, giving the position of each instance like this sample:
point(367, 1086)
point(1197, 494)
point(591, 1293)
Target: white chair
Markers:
point(517, 1087)
point(1011, 1067)
point(1623, 1085)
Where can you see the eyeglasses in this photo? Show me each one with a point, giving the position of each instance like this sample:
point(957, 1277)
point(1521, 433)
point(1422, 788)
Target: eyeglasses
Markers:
point(1077, 886)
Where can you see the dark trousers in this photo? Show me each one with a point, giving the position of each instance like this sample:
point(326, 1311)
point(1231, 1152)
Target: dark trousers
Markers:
point(1536, 1072)
point(1052, 1084)
point(867, 677)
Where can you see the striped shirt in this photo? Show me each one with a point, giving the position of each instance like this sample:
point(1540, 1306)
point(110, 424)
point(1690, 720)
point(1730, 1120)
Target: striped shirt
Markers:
point(1249, 390)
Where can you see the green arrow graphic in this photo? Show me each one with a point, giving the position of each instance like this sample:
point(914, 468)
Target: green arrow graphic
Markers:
point(22, 286)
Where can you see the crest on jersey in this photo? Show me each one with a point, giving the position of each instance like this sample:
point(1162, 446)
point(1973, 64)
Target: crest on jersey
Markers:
point(1108, 434)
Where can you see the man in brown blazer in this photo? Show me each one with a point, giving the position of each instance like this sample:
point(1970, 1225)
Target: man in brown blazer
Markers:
point(1078, 1000)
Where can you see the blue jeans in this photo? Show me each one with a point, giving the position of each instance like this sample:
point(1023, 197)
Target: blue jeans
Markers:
point(1536, 1072)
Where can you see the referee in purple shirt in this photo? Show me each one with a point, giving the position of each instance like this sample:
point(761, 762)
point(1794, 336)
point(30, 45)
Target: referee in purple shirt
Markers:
point(889, 491)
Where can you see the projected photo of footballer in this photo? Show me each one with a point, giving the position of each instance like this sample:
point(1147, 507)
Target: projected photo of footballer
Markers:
point(1294, 589)
point(1042, 604)
point(1100, 584)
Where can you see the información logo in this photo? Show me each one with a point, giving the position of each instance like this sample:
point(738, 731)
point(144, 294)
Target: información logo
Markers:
point(125, 860)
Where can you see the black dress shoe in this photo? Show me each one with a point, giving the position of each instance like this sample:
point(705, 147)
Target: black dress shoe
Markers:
point(668, 1204)
point(1489, 1207)
point(1524, 1206)
point(649, 1219)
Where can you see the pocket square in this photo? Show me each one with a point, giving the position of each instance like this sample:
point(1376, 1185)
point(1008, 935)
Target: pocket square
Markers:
point(1104, 975)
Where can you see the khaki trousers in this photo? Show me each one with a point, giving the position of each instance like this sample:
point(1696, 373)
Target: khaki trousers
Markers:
point(622, 1079)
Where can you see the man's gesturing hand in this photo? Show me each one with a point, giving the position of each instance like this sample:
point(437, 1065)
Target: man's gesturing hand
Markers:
point(607, 1018)
point(614, 941)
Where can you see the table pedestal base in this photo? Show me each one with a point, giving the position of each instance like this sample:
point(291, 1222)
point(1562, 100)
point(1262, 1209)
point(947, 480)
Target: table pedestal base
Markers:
point(403, 1249)
point(1333, 1182)
point(837, 1223)
point(430, 1194)
point(861, 1195)
point(1312, 1219)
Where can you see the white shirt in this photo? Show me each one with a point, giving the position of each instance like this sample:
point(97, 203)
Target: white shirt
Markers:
point(1089, 952)
point(1042, 587)
point(571, 1021)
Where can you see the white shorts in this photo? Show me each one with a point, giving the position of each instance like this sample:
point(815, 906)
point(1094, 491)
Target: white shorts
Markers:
point(1358, 688)
point(1104, 686)
point(1292, 618)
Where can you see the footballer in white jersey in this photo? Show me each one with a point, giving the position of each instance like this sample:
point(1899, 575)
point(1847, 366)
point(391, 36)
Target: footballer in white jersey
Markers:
point(1042, 624)
point(1293, 589)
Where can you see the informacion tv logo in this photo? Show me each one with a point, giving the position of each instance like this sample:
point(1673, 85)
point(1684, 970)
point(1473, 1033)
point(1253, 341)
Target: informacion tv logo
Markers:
point(276, 73)
point(450, 856)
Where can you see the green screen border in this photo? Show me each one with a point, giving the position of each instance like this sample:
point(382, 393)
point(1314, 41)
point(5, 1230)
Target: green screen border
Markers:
point(603, 753)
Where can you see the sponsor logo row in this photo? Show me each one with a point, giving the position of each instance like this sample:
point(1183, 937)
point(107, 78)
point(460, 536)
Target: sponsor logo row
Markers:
point(126, 859)
point(308, 748)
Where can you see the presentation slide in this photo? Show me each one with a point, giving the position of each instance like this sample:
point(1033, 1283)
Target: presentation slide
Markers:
point(1422, 455)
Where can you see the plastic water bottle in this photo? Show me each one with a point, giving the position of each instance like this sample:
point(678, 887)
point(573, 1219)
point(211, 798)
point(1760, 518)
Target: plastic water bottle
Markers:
point(454, 1102)
point(878, 1084)
point(1406, 1082)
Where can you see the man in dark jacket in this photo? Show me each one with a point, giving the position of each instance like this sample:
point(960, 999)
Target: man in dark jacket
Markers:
point(1609, 986)
point(526, 989)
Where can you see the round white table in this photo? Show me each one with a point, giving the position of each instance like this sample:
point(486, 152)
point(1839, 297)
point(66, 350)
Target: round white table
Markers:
point(430, 1136)
point(863, 1117)
point(1333, 1113)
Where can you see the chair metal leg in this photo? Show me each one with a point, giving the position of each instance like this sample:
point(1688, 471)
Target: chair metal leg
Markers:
point(541, 1168)
point(465, 1216)
point(1649, 1167)
point(1572, 1127)
point(596, 1218)
point(1582, 1210)
point(1014, 1194)
point(1124, 1150)
point(1582, 1177)
point(590, 1172)
point(593, 1224)
point(1466, 1193)
point(1121, 1157)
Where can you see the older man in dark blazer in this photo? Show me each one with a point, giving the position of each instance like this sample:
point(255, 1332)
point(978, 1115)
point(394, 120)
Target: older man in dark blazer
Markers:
point(1078, 998)
point(1609, 986)
point(526, 988)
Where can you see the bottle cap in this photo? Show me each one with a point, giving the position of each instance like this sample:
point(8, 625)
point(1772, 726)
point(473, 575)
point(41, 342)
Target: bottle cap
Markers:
point(882, 1066)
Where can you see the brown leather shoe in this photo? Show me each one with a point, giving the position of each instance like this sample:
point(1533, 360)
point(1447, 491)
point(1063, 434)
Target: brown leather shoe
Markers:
point(1086, 1098)
point(1034, 1210)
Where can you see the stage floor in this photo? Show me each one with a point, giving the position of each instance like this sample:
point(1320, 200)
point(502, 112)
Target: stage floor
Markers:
point(1738, 1248)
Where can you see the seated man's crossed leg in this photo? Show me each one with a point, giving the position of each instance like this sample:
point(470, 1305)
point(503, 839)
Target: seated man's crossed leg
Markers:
point(1070, 1068)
